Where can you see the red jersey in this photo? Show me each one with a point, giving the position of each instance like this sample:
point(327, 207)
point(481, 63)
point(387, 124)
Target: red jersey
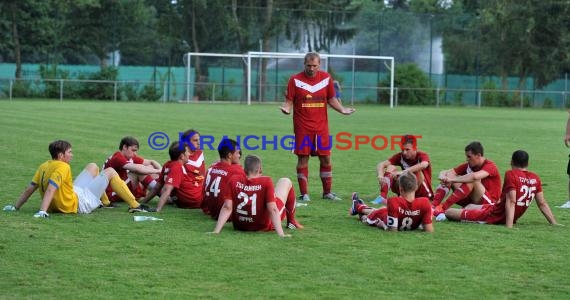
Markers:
point(526, 184)
point(425, 189)
point(492, 183)
point(310, 98)
point(117, 161)
point(216, 180)
point(186, 193)
point(250, 198)
point(406, 215)
point(197, 169)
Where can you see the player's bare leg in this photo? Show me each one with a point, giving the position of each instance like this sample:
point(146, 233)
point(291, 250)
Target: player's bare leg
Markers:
point(284, 192)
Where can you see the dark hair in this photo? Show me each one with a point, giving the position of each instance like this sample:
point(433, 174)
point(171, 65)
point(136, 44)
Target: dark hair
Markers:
point(252, 164)
point(57, 147)
point(520, 159)
point(128, 141)
point(187, 136)
point(407, 182)
point(175, 150)
point(475, 148)
point(409, 139)
point(226, 147)
point(311, 55)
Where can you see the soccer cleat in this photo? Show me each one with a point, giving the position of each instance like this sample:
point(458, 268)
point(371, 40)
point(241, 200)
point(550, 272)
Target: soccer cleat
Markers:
point(565, 205)
point(10, 208)
point(111, 205)
point(304, 197)
point(331, 196)
point(441, 217)
point(353, 211)
point(294, 225)
point(141, 208)
point(41, 214)
point(379, 200)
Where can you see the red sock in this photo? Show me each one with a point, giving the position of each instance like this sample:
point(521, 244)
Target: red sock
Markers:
point(440, 193)
point(147, 180)
point(326, 178)
point(290, 206)
point(361, 207)
point(385, 185)
point(302, 178)
point(460, 193)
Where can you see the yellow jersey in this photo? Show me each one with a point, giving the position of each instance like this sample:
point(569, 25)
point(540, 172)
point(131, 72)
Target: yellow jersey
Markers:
point(58, 174)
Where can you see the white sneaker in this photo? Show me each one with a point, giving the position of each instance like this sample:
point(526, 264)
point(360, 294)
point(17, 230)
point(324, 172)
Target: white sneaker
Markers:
point(41, 214)
point(441, 217)
point(565, 205)
point(331, 196)
point(304, 197)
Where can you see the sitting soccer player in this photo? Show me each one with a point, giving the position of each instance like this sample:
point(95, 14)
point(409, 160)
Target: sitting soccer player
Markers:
point(218, 174)
point(404, 212)
point(475, 182)
point(519, 189)
point(176, 183)
point(190, 181)
point(60, 194)
point(410, 160)
point(132, 169)
point(254, 204)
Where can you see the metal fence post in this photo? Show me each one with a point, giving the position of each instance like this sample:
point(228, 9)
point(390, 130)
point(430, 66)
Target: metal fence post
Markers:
point(115, 92)
point(479, 98)
point(11, 86)
point(61, 90)
point(437, 97)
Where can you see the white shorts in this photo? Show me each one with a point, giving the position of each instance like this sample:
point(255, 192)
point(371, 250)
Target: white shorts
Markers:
point(89, 190)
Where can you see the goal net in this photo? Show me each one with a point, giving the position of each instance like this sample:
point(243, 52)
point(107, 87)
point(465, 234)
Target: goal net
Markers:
point(262, 76)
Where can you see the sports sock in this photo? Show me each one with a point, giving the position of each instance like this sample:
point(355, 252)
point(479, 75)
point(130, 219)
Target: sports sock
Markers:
point(361, 207)
point(121, 189)
point(460, 193)
point(148, 182)
point(105, 199)
point(302, 178)
point(440, 193)
point(290, 206)
point(326, 178)
point(385, 185)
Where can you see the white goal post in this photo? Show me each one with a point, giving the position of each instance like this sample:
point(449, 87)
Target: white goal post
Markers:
point(253, 54)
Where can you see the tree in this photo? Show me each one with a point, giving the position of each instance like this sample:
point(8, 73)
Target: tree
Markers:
point(506, 37)
point(106, 26)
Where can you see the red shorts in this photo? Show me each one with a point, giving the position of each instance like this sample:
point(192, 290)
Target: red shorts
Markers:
point(311, 143)
point(476, 215)
point(377, 215)
point(281, 209)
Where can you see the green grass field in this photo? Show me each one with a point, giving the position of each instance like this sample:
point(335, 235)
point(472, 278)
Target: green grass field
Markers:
point(108, 255)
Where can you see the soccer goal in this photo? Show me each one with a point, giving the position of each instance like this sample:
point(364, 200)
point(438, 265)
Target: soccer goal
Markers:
point(262, 76)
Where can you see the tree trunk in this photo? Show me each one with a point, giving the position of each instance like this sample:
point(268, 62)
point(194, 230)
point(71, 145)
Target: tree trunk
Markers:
point(196, 48)
point(241, 45)
point(16, 39)
point(265, 48)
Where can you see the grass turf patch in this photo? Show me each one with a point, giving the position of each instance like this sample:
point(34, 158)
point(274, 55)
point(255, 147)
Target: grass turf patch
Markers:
point(108, 255)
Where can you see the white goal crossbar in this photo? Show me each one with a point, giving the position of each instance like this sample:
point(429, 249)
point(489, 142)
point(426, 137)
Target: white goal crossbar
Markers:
point(253, 54)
